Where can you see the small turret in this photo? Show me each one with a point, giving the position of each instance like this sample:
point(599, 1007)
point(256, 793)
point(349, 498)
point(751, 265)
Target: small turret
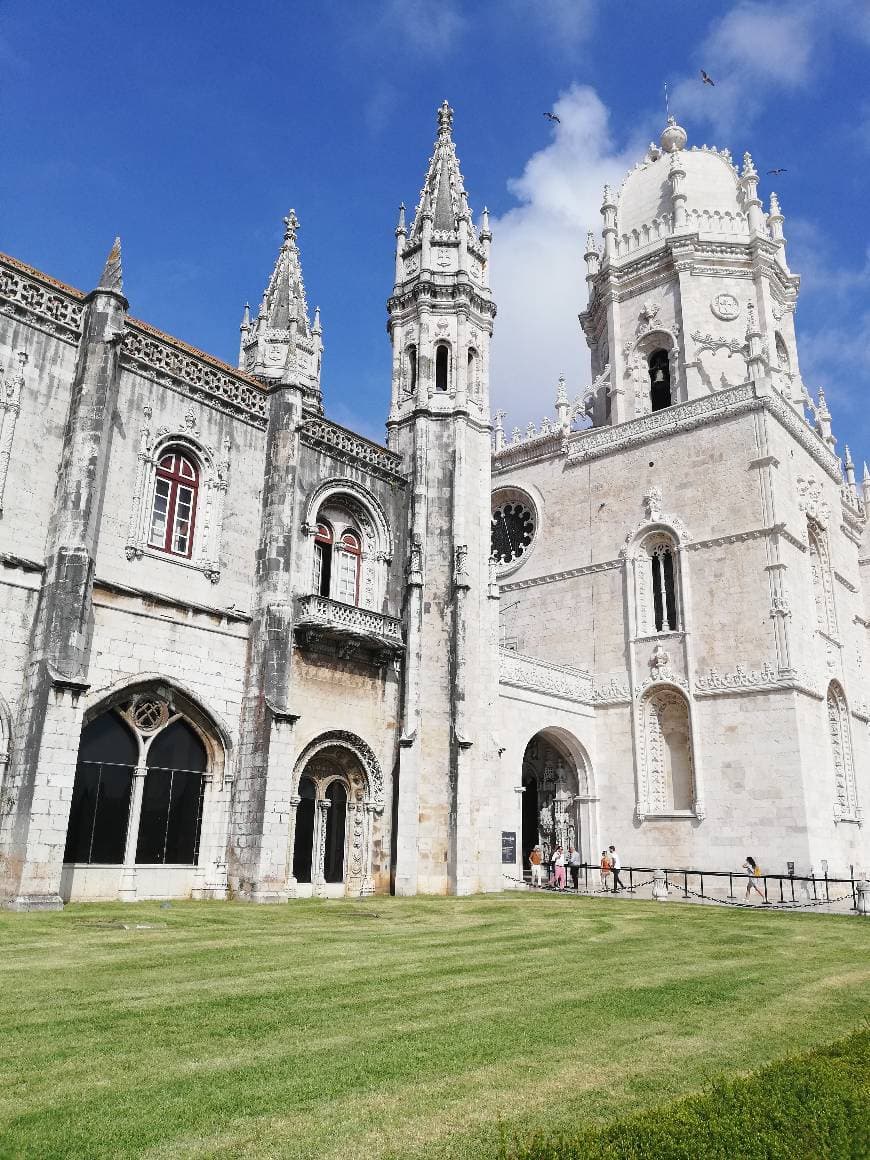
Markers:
point(823, 421)
point(751, 200)
point(865, 486)
point(677, 177)
point(401, 236)
point(593, 262)
point(755, 361)
point(849, 472)
point(244, 329)
point(563, 407)
point(774, 226)
point(608, 212)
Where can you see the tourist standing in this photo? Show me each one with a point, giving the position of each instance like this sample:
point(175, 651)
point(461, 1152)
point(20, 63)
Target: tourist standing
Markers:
point(604, 870)
point(575, 858)
point(753, 873)
point(559, 868)
point(535, 860)
point(615, 866)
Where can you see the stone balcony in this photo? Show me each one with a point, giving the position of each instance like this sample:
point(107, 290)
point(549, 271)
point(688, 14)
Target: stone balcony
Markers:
point(347, 632)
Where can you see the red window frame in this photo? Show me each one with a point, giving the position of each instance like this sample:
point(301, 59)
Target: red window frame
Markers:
point(350, 543)
point(325, 539)
point(171, 469)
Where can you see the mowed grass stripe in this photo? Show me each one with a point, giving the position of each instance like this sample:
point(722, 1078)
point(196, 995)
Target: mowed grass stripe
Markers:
point(321, 1029)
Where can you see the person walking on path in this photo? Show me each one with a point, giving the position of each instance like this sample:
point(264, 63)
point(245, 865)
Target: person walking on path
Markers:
point(605, 867)
point(574, 860)
point(535, 860)
point(615, 866)
point(753, 873)
point(559, 868)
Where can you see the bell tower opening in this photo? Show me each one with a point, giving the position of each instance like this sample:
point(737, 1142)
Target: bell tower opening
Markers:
point(442, 365)
point(659, 380)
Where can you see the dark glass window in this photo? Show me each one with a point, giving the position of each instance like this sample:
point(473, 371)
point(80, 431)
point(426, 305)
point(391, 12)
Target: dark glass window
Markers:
point(100, 809)
point(660, 380)
point(172, 799)
point(412, 369)
point(323, 559)
point(336, 819)
point(442, 364)
point(303, 843)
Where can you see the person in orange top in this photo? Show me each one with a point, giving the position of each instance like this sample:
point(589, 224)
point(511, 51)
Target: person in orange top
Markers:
point(605, 865)
point(535, 860)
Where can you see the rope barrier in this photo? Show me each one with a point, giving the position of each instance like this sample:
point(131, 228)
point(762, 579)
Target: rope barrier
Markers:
point(785, 905)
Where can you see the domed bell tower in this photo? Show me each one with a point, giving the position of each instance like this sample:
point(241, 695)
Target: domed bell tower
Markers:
point(440, 323)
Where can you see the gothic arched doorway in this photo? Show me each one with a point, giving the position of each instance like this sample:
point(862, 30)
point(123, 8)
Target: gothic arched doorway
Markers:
point(330, 835)
point(557, 795)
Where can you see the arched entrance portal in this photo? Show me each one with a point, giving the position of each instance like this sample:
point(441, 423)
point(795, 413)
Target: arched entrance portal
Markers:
point(330, 838)
point(557, 797)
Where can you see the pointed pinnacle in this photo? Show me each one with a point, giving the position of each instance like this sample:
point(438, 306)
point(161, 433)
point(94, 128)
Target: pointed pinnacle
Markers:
point(111, 277)
point(848, 457)
point(400, 228)
point(866, 472)
point(445, 119)
point(291, 225)
point(246, 317)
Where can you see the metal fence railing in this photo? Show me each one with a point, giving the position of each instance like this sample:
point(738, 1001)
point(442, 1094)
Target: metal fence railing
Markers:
point(781, 890)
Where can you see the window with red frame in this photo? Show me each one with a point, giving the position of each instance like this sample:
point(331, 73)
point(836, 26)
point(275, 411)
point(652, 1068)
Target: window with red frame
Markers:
point(347, 586)
point(336, 564)
point(173, 511)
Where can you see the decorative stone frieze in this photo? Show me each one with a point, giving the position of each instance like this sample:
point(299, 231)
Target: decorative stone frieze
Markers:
point(544, 677)
point(174, 364)
point(40, 300)
point(351, 448)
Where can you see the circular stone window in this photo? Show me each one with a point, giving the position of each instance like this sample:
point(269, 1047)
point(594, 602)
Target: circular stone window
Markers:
point(513, 528)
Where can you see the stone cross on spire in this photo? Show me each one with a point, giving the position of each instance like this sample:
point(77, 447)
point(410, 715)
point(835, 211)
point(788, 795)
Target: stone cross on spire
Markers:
point(291, 225)
point(445, 119)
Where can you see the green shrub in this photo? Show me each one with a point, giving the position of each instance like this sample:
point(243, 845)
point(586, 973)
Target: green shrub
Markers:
point(814, 1106)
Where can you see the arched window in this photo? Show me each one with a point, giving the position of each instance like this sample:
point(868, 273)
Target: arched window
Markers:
point(782, 354)
point(172, 797)
point(846, 797)
point(173, 508)
point(412, 369)
point(337, 557)
point(348, 551)
point(442, 366)
point(664, 591)
point(668, 768)
point(323, 559)
point(108, 755)
point(660, 380)
point(471, 380)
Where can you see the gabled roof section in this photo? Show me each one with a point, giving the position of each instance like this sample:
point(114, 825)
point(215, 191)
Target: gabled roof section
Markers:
point(443, 197)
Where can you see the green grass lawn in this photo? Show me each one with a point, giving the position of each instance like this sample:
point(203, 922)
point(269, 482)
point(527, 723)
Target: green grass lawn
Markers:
point(393, 1027)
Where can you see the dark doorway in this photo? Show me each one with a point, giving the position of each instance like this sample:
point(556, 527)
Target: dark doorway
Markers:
point(303, 843)
point(336, 819)
point(530, 819)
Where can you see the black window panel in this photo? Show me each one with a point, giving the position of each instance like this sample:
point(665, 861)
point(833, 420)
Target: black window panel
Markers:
point(100, 807)
point(670, 589)
point(177, 747)
point(336, 820)
point(442, 354)
point(304, 837)
point(171, 817)
point(660, 380)
point(325, 568)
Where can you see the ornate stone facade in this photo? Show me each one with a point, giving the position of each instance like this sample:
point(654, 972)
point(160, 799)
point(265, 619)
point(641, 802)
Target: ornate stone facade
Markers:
point(250, 652)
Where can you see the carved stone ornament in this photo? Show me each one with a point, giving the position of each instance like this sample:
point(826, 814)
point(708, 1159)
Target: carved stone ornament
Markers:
point(810, 500)
point(647, 316)
point(726, 307)
point(12, 383)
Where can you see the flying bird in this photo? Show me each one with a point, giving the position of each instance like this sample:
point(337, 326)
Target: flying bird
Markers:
point(553, 117)
point(706, 78)
point(776, 172)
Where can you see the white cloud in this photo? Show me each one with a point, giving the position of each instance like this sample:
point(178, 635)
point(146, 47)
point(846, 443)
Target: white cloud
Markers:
point(754, 48)
point(538, 272)
point(564, 23)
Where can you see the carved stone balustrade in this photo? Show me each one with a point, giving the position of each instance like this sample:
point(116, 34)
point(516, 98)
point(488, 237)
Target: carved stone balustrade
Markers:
point(347, 632)
point(543, 677)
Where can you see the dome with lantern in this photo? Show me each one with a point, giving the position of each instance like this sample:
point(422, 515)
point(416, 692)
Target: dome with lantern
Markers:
point(708, 181)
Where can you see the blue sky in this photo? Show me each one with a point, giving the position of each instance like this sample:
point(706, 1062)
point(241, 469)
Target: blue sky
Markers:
point(191, 128)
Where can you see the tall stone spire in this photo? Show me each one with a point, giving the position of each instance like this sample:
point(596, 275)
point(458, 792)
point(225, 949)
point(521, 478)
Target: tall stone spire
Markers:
point(112, 276)
point(443, 193)
point(281, 344)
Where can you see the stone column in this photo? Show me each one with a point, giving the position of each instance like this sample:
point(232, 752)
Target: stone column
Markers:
point(292, 884)
point(318, 868)
point(127, 887)
point(38, 791)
